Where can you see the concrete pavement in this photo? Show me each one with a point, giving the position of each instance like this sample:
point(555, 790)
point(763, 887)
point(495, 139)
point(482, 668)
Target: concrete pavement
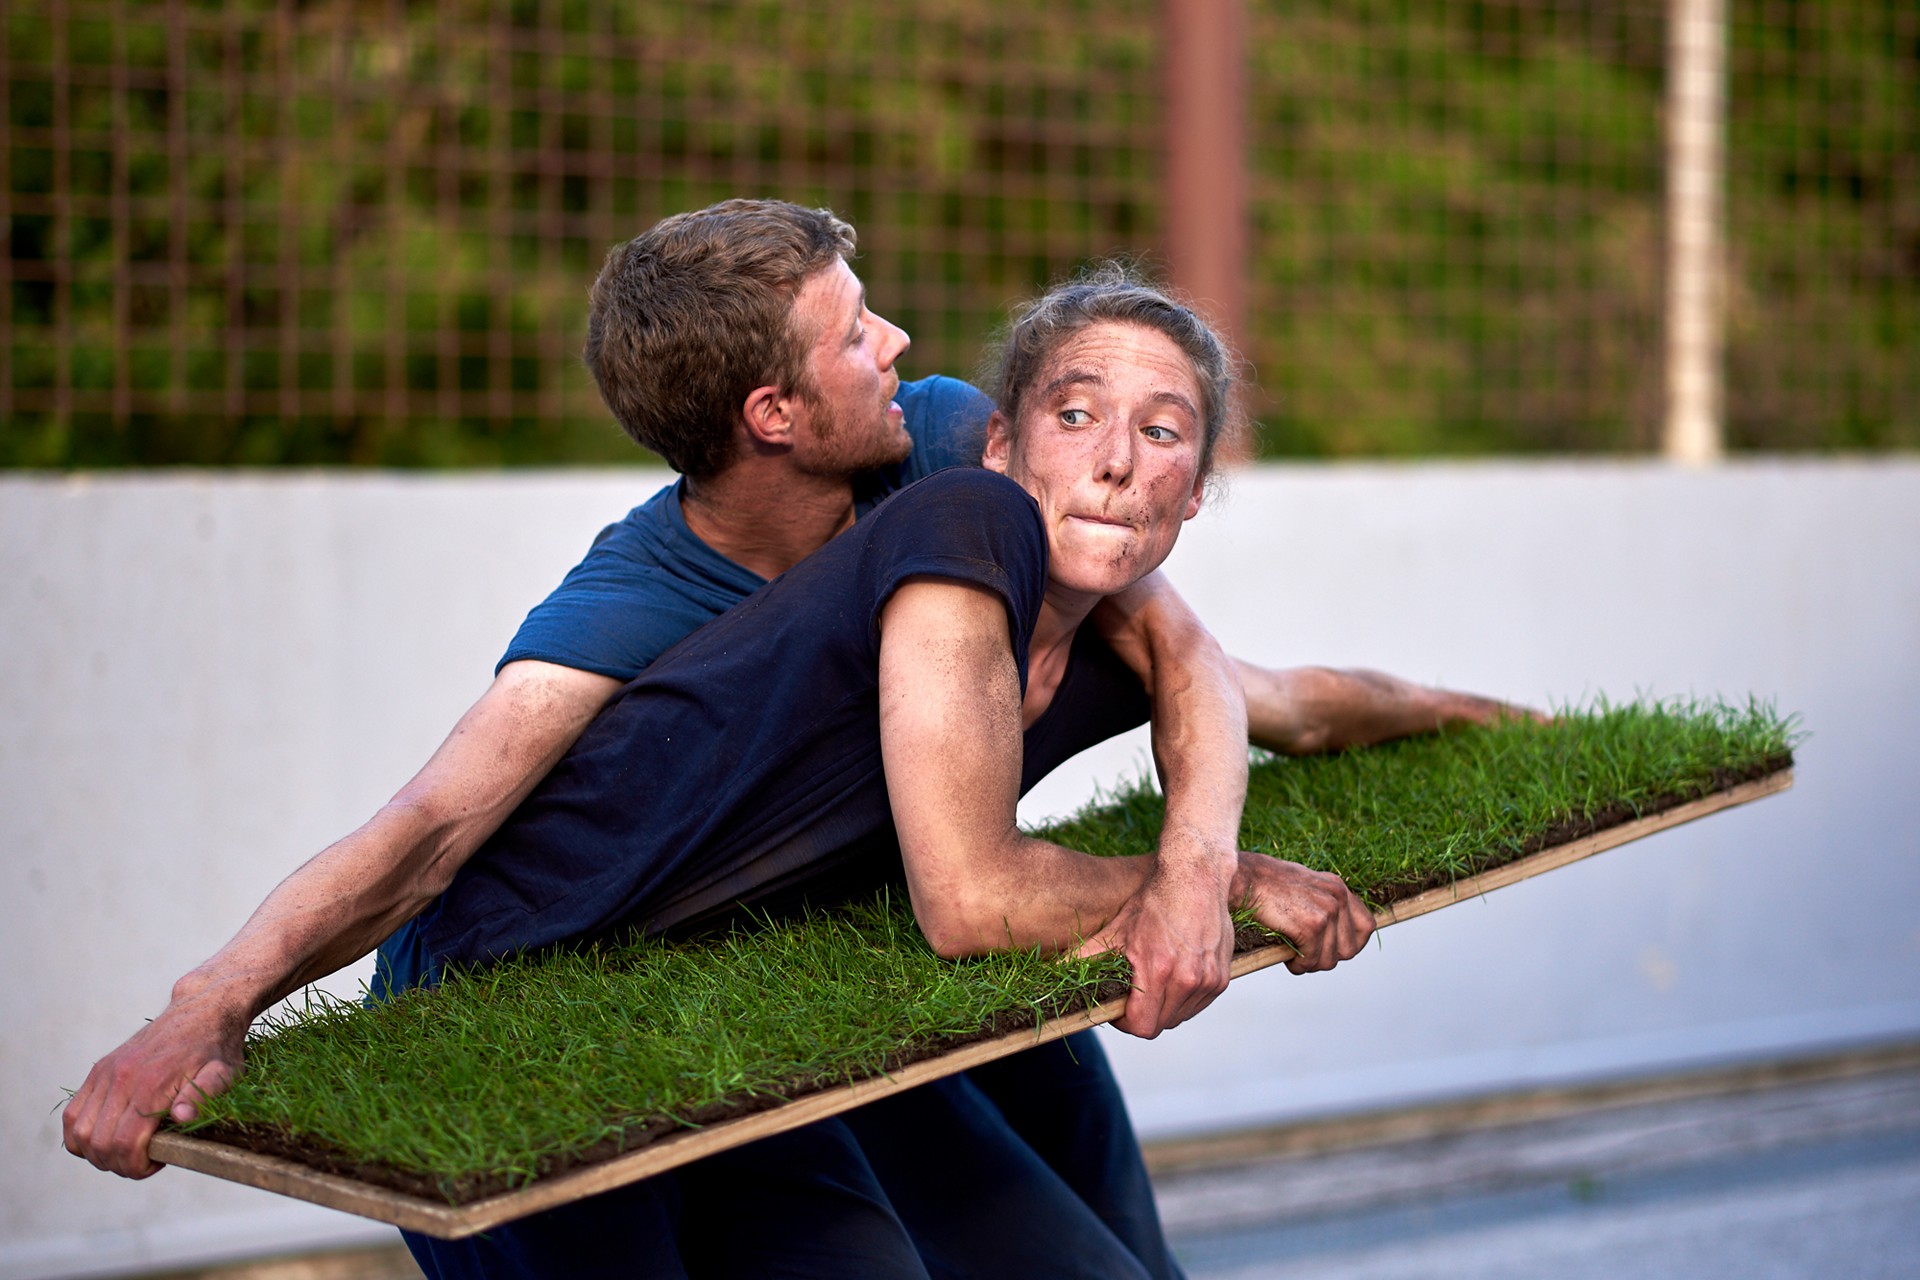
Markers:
point(1810, 1180)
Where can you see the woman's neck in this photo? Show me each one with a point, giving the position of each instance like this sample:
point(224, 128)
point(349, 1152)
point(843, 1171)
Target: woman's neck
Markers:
point(1061, 614)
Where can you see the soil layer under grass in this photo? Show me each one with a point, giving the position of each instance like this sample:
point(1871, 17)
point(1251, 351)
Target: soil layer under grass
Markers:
point(549, 1063)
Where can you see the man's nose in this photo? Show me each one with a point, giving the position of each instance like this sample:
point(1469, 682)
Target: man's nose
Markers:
point(893, 341)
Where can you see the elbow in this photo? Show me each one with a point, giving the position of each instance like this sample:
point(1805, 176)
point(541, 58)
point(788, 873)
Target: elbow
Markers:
point(429, 843)
point(1289, 735)
point(1289, 712)
point(1304, 742)
point(949, 944)
point(961, 925)
point(953, 935)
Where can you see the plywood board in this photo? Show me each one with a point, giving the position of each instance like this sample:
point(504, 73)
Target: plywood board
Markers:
point(273, 1173)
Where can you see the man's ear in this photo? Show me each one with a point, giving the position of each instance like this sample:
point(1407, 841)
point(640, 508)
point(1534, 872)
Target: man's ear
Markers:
point(768, 415)
point(999, 448)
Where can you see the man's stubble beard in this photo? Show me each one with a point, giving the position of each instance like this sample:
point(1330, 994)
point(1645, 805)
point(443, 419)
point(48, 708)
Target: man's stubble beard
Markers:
point(848, 449)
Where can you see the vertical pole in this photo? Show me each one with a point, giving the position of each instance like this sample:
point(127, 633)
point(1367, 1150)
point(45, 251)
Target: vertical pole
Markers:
point(1696, 118)
point(1204, 75)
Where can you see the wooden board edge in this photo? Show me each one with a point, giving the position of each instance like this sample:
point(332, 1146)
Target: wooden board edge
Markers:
point(450, 1222)
point(413, 1213)
point(291, 1178)
point(1548, 859)
point(1561, 855)
point(692, 1144)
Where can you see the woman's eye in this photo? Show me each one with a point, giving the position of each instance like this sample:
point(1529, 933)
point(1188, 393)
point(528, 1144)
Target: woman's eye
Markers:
point(1075, 417)
point(1157, 432)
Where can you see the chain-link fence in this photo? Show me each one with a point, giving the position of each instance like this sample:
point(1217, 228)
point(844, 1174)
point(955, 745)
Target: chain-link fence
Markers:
point(362, 233)
point(1823, 223)
point(1457, 213)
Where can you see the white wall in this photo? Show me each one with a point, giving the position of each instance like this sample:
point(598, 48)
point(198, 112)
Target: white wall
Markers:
point(203, 679)
point(1785, 926)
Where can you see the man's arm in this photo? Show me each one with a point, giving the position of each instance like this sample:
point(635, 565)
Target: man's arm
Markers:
point(950, 740)
point(1303, 710)
point(334, 909)
point(1177, 930)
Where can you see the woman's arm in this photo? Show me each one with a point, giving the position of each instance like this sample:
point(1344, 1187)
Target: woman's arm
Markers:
point(1178, 929)
point(1302, 710)
point(950, 738)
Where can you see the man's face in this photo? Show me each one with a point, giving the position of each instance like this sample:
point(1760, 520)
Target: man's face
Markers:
point(1109, 444)
point(847, 421)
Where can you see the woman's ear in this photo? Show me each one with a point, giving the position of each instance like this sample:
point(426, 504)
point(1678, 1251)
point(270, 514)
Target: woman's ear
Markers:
point(1198, 496)
point(768, 416)
point(999, 449)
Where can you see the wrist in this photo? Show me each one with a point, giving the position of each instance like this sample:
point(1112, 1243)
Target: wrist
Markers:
point(1189, 855)
point(1466, 708)
point(223, 1000)
point(1240, 887)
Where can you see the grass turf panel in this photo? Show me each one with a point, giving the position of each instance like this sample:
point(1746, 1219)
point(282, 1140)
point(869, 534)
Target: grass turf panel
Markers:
point(1405, 816)
point(546, 1063)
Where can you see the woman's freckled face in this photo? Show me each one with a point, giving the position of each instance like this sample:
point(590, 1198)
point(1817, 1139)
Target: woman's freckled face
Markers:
point(1109, 445)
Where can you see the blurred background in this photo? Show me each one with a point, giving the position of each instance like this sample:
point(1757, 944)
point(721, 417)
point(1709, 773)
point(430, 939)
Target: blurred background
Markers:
point(1585, 338)
point(359, 234)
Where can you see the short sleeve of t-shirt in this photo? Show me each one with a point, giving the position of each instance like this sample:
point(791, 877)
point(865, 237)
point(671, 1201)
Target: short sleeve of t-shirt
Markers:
point(967, 525)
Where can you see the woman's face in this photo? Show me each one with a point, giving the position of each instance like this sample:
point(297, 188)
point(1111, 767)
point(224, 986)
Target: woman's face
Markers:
point(1109, 444)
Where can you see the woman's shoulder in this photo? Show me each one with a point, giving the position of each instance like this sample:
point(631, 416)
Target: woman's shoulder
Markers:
point(975, 489)
point(963, 522)
point(964, 511)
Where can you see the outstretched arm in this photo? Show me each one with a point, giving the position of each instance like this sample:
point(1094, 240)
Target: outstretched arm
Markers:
point(334, 909)
point(950, 740)
point(1302, 710)
point(1178, 930)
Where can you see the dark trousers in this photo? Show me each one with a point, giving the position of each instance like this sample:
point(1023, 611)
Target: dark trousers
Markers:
point(1025, 1167)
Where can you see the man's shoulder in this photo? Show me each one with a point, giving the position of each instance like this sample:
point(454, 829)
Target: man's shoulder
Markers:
point(944, 397)
point(645, 535)
point(655, 536)
point(947, 420)
point(643, 585)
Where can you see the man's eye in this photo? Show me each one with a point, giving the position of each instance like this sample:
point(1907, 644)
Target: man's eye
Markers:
point(1075, 417)
point(1157, 432)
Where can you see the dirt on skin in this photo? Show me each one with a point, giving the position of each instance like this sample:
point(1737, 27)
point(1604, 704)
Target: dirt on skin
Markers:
point(467, 1189)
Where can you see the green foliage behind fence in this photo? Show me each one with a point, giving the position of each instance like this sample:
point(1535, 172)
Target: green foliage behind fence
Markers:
point(350, 233)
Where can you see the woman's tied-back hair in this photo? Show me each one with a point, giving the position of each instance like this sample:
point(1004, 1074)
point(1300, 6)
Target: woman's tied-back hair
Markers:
point(688, 317)
point(1119, 293)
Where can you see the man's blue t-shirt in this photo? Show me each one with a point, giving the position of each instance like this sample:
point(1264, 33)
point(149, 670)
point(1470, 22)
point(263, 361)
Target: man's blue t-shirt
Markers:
point(648, 581)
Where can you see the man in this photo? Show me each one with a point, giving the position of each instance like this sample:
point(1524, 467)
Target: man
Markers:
point(737, 343)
